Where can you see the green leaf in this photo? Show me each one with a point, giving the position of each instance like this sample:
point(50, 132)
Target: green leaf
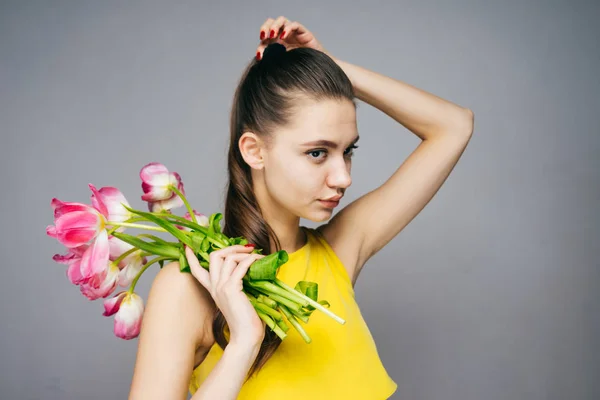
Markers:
point(213, 223)
point(158, 249)
point(183, 264)
point(309, 289)
point(198, 238)
point(266, 268)
point(182, 221)
point(205, 245)
point(168, 226)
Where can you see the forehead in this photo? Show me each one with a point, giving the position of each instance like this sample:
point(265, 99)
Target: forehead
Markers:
point(333, 120)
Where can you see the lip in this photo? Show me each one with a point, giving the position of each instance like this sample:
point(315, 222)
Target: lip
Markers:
point(329, 204)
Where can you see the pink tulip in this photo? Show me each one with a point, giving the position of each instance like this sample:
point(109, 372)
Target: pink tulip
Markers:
point(201, 219)
point(73, 260)
point(102, 284)
point(109, 201)
point(130, 265)
point(95, 259)
point(86, 261)
point(157, 184)
point(82, 226)
point(118, 247)
point(129, 309)
point(111, 306)
point(75, 224)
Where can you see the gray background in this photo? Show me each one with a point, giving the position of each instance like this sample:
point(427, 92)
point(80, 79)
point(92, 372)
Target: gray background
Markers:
point(490, 293)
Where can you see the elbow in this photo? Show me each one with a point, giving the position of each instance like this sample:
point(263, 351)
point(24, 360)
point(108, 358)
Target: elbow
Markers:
point(460, 125)
point(466, 122)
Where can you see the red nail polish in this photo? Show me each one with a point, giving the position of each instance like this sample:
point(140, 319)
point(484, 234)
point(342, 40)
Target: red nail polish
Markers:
point(272, 33)
point(282, 35)
point(258, 55)
point(262, 35)
point(249, 245)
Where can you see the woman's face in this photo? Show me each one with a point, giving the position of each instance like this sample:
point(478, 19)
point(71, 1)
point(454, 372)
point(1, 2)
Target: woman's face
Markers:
point(298, 171)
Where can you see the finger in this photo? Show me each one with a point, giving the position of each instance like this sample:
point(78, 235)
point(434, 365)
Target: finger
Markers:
point(276, 26)
point(218, 257)
point(260, 51)
point(229, 266)
point(287, 28)
point(243, 266)
point(264, 28)
point(197, 270)
point(296, 29)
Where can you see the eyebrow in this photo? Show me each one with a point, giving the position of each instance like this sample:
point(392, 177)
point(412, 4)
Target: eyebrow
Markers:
point(328, 143)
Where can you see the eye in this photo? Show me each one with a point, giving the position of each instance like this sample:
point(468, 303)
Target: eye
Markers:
point(351, 148)
point(349, 152)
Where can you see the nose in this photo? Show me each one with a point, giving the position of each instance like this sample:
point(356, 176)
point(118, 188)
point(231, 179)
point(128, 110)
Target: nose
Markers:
point(339, 175)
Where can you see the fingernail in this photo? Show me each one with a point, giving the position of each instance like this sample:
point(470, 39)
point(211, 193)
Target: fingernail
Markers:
point(262, 35)
point(249, 245)
point(282, 34)
point(258, 55)
point(272, 33)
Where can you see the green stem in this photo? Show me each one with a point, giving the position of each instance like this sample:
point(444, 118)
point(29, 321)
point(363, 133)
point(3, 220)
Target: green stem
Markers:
point(195, 226)
point(144, 268)
point(311, 301)
point(271, 324)
point(276, 315)
point(290, 294)
point(122, 256)
point(132, 219)
point(129, 225)
point(187, 205)
point(290, 317)
point(155, 238)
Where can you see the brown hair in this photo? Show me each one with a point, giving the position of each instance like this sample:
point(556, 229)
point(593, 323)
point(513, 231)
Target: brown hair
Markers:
point(263, 101)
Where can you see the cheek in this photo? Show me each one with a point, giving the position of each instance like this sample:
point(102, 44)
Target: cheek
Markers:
point(293, 181)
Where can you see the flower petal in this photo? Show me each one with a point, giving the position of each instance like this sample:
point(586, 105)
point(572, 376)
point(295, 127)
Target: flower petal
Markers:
point(76, 228)
point(98, 201)
point(51, 231)
point(164, 205)
point(112, 305)
point(101, 285)
point(155, 174)
point(116, 248)
point(74, 272)
point(155, 193)
point(201, 219)
point(61, 207)
point(95, 259)
point(128, 319)
point(68, 258)
point(130, 271)
point(113, 201)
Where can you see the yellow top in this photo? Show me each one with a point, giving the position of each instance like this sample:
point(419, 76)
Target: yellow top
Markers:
point(341, 362)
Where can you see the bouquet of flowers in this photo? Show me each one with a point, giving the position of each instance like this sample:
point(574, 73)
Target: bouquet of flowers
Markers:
point(100, 256)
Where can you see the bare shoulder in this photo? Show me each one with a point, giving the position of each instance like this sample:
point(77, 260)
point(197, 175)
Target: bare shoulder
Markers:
point(185, 297)
point(346, 241)
point(176, 326)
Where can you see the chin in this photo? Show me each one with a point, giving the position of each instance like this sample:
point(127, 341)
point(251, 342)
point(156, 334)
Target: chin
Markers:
point(319, 217)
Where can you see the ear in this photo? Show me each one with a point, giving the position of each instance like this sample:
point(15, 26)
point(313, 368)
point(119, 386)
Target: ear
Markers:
point(251, 148)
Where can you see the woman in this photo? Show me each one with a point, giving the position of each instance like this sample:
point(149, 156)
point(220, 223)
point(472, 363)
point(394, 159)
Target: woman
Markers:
point(293, 133)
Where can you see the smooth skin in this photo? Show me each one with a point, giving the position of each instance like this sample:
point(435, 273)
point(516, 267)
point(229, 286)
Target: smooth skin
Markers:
point(176, 330)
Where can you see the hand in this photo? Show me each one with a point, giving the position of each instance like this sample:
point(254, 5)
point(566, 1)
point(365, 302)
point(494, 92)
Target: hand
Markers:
point(223, 280)
point(288, 33)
